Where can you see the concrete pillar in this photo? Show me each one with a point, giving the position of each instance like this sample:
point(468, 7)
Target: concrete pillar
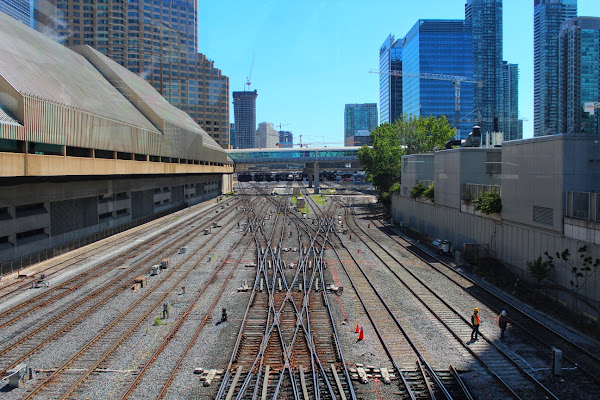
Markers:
point(316, 179)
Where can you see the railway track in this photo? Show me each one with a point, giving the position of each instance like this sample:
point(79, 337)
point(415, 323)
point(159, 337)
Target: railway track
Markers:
point(25, 343)
point(281, 352)
point(62, 290)
point(512, 373)
point(578, 358)
point(54, 267)
point(71, 375)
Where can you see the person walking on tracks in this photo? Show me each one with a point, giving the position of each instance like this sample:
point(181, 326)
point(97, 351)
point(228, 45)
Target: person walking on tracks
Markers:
point(475, 322)
point(502, 323)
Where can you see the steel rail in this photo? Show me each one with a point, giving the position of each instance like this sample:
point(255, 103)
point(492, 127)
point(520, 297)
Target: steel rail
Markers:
point(500, 351)
point(93, 273)
point(595, 360)
point(108, 291)
point(180, 322)
point(111, 325)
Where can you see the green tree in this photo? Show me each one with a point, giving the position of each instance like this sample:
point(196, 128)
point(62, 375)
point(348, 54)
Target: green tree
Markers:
point(382, 161)
point(540, 269)
point(423, 134)
point(581, 268)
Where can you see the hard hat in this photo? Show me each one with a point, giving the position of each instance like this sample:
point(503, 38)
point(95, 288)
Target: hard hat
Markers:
point(476, 309)
point(503, 313)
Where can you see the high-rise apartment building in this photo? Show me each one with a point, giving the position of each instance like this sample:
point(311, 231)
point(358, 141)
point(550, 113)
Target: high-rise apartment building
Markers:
point(390, 87)
point(548, 15)
point(579, 75)
point(244, 115)
point(266, 136)
point(286, 139)
point(232, 135)
point(438, 47)
point(154, 39)
point(358, 117)
point(18, 9)
point(485, 19)
point(510, 117)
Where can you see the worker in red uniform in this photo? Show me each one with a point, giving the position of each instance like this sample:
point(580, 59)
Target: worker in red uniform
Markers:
point(502, 323)
point(475, 322)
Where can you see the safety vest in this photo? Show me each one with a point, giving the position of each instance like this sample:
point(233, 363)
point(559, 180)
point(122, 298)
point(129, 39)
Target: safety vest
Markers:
point(476, 319)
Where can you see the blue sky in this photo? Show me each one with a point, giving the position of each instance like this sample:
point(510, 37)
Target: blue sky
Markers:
point(312, 57)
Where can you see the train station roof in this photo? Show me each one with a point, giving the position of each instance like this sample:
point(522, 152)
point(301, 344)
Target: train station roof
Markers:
point(79, 97)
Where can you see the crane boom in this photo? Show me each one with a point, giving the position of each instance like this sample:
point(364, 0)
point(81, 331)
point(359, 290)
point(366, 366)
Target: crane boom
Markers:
point(439, 77)
point(456, 80)
point(249, 77)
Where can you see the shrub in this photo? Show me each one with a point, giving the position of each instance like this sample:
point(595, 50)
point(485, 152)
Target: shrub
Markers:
point(429, 193)
point(489, 202)
point(417, 190)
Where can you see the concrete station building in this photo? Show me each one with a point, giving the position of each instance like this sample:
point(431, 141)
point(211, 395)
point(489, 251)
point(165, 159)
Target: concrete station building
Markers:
point(88, 148)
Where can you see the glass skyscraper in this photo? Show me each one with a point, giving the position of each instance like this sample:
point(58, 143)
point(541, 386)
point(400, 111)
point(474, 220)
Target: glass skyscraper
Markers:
point(155, 39)
point(511, 125)
point(358, 120)
point(548, 15)
point(485, 19)
point(18, 9)
point(244, 117)
point(438, 47)
point(579, 75)
point(390, 87)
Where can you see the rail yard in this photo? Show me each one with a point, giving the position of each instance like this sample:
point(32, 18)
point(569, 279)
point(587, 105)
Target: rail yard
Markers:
point(275, 293)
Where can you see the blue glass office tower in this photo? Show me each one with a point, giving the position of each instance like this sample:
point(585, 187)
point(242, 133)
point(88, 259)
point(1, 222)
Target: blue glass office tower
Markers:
point(512, 125)
point(548, 15)
point(18, 9)
point(390, 87)
point(485, 20)
point(439, 47)
point(579, 75)
point(358, 120)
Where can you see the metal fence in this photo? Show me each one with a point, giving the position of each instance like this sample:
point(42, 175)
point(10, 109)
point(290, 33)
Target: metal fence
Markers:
point(583, 205)
point(472, 191)
point(18, 264)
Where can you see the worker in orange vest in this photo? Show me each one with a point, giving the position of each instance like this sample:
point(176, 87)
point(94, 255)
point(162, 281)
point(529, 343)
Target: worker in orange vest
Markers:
point(475, 322)
point(502, 323)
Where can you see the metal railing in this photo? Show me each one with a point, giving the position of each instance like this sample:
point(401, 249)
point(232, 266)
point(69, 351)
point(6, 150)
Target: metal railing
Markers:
point(472, 191)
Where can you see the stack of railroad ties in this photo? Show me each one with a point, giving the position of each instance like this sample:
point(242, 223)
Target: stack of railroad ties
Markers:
point(363, 374)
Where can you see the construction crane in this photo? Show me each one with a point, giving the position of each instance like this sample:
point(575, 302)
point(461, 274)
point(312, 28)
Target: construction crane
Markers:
point(306, 144)
point(281, 125)
point(455, 79)
point(249, 77)
point(481, 119)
